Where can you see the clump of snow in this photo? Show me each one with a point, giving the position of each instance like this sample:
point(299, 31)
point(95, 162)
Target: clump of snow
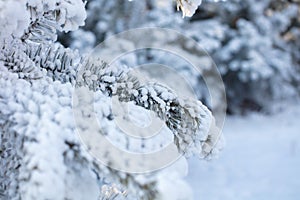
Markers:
point(71, 13)
point(188, 7)
point(13, 24)
point(173, 177)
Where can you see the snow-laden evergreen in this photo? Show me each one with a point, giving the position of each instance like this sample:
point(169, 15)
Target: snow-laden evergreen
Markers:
point(41, 154)
point(255, 44)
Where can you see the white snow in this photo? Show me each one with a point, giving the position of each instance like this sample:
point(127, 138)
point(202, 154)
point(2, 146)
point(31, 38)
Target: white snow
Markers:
point(261, 160)
point(188, 7)
point(12, 24)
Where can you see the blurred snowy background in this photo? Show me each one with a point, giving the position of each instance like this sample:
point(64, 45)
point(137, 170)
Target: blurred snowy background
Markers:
point(256, 46)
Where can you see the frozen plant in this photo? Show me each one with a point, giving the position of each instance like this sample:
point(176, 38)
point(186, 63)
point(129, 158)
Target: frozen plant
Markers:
point(41, 155)
point(255, 56)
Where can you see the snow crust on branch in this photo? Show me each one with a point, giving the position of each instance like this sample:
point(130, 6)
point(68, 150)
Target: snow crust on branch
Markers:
point(190, 121)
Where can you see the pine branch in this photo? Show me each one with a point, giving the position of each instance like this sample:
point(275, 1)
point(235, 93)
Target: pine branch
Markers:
point(16, 61)
point(43, 26)
point(60, 63)
point(190, 121)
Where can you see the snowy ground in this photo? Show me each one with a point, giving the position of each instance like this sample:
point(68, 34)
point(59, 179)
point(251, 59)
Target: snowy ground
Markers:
point(261, 161)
